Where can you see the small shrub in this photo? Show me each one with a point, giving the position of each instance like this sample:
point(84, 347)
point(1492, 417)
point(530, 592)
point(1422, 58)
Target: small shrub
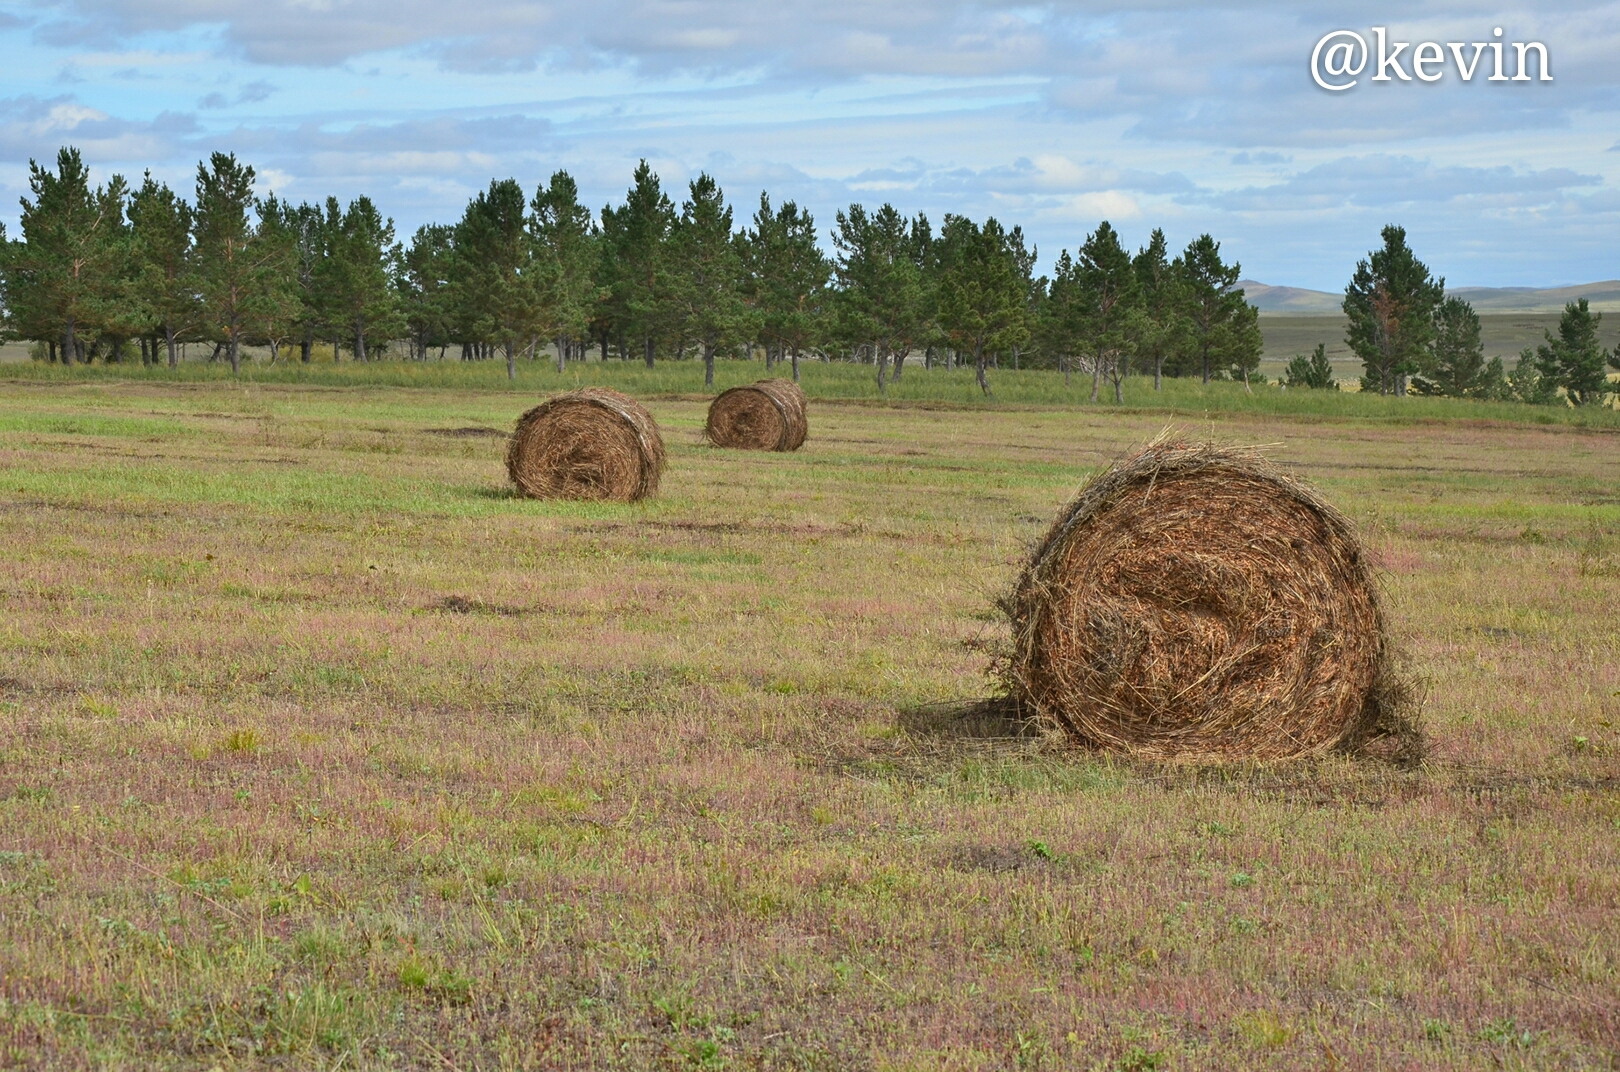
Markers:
point(1137, 1059)
point(1314, 372)
point(413, 974)
point(1505, 1031)
point(1263, 1028)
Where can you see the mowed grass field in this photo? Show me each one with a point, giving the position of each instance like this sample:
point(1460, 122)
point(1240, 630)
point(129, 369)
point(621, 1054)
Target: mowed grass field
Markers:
point(318, 749)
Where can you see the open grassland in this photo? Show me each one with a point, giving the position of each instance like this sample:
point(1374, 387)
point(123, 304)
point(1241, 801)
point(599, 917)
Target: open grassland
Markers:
point(1179, 399)
point(318, 749)
point(1502, 335)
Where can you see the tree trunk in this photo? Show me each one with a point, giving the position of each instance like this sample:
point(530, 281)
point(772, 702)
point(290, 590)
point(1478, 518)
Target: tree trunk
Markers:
point(213, 357)
point(511, 361)
point(236, 354)
point(359, 339)
point(899, 363)
point(168, 337)
point(648, 342)
point(1246, 388)
point(1158, 370)
point(1119, 389)
point(708, 365)
point(560, 352)
point(70, 344)
point(795, 364)
point(307, 345)
point(50, 347)
point(275, 350)
point(1206, 364)
point(1096, 375)
point(1063, 362)
point(145, 359)
point(978, 361)
point(880, 358)
point(335, 349)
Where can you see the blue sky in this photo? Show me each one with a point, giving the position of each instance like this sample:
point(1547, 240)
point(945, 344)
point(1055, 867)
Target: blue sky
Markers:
point(1193, 117)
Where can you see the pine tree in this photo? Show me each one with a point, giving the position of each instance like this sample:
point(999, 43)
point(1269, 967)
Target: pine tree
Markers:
point(880, 300)
point(787, 278)
point(424, 287)
point(242, 270)
point(566, 239)
point(311, 248)
point(1391, 301)
point(164, 289)
point(1163, 326)
point(983, 291)
point(1314, 372)
point(277, 316)
point(68, 274)
point(1529, 381)
point(1574, 360)
point(1060, 329)
point(1108, 297)
point(362, 259)
point(708, 286)
point(1455, 363)
point(635, 245)
point(497, 293)
point(1222, 330)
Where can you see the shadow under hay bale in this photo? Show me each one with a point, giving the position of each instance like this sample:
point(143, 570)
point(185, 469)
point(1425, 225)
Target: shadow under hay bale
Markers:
point(997, 718)
point(1197, 602)
point(593, 443)
point(768, 415)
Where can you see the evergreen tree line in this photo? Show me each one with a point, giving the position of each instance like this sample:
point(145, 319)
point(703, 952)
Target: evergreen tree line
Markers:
point(1410, 335)
point(100, 272)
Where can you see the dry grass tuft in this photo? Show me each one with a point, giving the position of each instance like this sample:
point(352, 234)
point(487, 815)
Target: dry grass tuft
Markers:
point(768, 415)
point(1197, 602)
point(593, 443)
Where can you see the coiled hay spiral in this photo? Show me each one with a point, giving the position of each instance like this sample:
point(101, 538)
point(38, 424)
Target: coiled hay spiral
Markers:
point(1197, 602)
point(593, 443)
point(768, 415)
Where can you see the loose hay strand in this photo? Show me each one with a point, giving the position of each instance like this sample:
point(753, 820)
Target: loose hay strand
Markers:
point(768, 415)
point(592, 443)
point(1198, 602)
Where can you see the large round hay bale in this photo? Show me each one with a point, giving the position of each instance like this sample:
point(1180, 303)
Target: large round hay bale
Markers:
point(593, 443)
point(1197, 602)
point(768, 415)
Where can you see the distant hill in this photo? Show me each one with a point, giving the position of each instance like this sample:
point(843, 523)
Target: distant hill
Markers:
point(1604, 295)
point(1294, 300)
point(1297, 301)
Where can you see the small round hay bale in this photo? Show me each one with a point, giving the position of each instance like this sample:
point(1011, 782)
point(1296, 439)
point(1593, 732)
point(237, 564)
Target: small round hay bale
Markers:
point(1197, 602)
point(768, 415)
point(593, 443)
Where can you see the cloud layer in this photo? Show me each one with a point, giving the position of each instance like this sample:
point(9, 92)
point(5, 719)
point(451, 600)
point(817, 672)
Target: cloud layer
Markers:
point(1054, 115)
